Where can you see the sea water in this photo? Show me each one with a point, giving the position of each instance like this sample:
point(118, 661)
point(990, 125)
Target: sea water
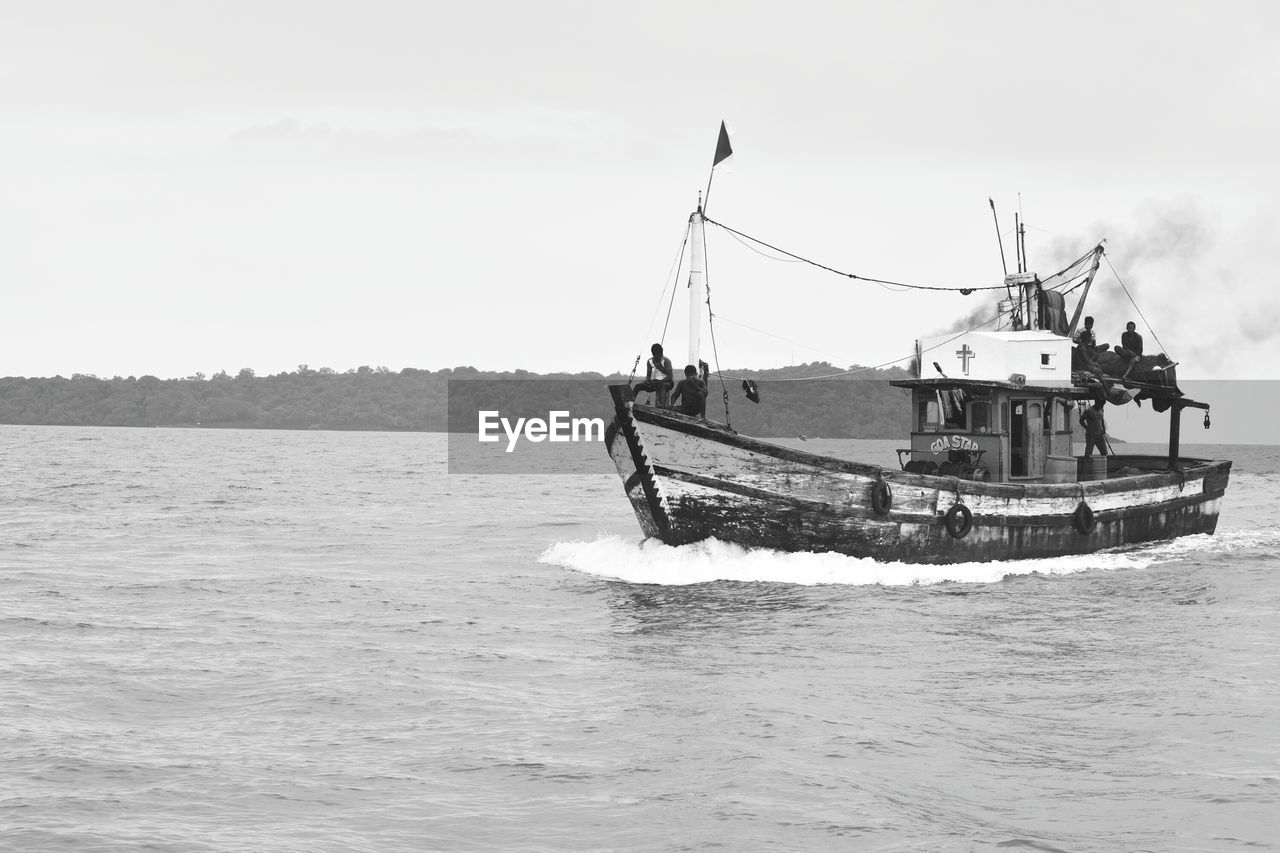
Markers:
point(317, 641)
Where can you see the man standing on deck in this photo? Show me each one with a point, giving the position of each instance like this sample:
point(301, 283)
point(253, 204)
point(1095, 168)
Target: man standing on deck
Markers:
point(1095, 429)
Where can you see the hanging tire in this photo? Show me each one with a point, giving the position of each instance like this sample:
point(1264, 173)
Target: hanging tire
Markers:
point(1082, 519)
point(930, 467)
point(981, 474)
point(959, 521)
point(881, 497)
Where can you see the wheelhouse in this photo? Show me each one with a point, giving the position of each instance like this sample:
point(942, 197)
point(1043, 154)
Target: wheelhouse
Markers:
point(992, 431)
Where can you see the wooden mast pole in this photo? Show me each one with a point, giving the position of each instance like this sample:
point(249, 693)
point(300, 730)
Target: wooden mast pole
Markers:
point(697, 287)
point(999, 240)
point(1088, 283)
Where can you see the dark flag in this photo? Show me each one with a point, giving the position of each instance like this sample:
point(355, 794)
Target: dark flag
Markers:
point(723, 150)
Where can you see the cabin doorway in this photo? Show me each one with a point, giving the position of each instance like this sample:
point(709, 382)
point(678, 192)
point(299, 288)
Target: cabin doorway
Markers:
point(1026, 439)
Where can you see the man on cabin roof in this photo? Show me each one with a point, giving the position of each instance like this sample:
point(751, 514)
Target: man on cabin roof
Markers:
point(1088, 340)
point(1130, 348)
point(1085, 355)
point(1095, 429)
point(658, 377)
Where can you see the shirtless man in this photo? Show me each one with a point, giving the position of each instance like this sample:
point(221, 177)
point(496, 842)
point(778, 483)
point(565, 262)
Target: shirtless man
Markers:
point(1130, 348)
point(692, 393)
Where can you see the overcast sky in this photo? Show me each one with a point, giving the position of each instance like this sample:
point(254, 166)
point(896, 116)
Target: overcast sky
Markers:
point(201, 186)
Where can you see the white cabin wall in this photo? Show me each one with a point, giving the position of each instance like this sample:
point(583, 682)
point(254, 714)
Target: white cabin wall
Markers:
point(1043, 359)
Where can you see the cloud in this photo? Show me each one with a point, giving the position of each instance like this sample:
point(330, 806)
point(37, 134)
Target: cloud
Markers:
point(1261, 323)
point(524, 130)
point(292, 136)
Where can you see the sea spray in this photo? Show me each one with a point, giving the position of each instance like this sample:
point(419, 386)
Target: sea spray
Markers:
point(652, 562)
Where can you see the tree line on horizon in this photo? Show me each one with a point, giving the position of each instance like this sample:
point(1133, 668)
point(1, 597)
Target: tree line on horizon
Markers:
point(377, 398)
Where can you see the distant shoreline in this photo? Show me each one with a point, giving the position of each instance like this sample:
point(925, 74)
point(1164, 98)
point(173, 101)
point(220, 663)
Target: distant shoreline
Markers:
point(810, 439)
point(413, 400)
point(862, 405)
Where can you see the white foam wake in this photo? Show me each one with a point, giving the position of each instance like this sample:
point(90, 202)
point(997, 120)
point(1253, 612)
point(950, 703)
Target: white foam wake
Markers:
point(655, 563)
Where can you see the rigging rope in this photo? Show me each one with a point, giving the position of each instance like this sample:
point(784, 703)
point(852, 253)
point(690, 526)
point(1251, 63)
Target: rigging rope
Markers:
point(785, 340)
point(764, 254)
point(850, 275)
point(711, 317)
point(852, 371)
point(672, 303)
point(740, 237)
point(1136, 308)
point(671, 279)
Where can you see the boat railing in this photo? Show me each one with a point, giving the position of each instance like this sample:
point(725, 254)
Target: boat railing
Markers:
point(963, 463)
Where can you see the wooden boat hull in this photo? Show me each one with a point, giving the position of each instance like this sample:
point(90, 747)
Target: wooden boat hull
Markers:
point(689, 479)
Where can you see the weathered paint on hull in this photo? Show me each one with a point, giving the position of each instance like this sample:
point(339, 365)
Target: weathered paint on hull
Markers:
point(689, 480)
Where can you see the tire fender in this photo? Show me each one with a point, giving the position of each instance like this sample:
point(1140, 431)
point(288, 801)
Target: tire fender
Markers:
point(881, 497)
point(1082, 519)
point(959, 521)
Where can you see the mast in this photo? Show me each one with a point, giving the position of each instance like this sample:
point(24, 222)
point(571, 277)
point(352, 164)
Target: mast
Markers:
point(697, 285)
point(999, 241)
point(1022, 243)
point(1088, 283)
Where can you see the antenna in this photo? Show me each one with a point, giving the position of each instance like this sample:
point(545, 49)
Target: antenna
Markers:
point(999, 239)
point(1016, 246)
point(1022, 235)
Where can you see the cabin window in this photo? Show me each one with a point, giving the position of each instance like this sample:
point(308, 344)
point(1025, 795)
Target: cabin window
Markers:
point(1046, 361)
point(928, 416)
point(954, 414)
point(980, 417)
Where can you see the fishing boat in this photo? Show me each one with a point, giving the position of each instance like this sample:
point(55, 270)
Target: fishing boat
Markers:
point(989, 472)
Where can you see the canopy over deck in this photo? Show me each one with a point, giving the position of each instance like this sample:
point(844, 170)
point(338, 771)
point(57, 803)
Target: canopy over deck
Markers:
point(942, 383)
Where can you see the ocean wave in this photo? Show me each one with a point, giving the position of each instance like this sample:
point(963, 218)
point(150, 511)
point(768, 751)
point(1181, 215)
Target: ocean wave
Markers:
point(1230, 542)
point(652, 562)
